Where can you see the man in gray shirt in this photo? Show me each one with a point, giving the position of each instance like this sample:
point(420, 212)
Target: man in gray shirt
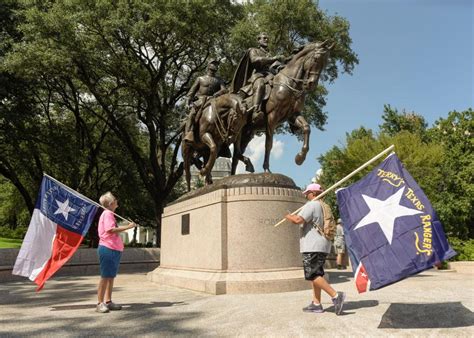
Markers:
point(315, 247)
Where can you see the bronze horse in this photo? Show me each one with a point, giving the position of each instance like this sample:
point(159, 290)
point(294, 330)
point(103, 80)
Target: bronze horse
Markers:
point(219, 125)
point(285, 103)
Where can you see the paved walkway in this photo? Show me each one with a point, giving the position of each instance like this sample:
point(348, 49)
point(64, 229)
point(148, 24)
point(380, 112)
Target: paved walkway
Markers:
point(434, 303)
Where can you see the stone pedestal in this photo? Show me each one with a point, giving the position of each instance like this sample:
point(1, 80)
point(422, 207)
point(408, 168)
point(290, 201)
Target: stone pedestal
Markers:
point(222, 239)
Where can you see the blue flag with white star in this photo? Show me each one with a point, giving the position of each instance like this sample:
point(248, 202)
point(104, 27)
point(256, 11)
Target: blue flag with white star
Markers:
point(60, 221)
point(390, 227)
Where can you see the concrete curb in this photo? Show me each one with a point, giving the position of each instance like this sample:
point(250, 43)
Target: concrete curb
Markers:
point(85, 262)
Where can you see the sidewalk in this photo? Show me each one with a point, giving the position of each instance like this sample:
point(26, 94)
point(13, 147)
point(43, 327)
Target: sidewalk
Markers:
point(434, 303)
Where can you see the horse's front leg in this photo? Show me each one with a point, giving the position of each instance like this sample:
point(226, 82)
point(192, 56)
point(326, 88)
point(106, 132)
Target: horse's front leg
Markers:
point(237, 154)
point(301, 124)
point(209, 141)
point(209, 180)
point(186, 153)
point(269, 129)
point(240, 145)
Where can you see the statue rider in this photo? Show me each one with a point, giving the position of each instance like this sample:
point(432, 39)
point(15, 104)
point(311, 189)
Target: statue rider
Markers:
point(204, 87)
point(254, 72)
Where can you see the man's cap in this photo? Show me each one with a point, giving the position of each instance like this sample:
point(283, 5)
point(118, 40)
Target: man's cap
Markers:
point(339, 220)
point(215, 61)
point(313, 187)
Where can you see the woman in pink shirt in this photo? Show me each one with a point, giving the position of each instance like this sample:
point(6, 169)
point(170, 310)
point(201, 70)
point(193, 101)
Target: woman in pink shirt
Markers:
point(110, 251)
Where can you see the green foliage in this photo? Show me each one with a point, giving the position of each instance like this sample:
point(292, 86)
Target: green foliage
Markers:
point(91, 91)
point(440, 159)
point(395, 122)
point(455, 192)
point(17, 233)
point(13, 212)
point(464, 248)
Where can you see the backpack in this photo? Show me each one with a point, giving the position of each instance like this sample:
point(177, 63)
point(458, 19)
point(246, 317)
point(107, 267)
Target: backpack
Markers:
point(328, 229)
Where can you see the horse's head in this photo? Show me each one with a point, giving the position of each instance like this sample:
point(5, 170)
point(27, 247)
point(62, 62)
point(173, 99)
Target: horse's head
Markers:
point(314, 63)
point(306, 65)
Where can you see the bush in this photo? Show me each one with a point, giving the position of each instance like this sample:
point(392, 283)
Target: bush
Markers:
point(5, 232)
point(464, 248)
point(18, 233)
point(133, 244)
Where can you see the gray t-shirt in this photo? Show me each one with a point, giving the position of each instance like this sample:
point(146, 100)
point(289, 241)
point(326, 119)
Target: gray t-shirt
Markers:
point(310, 239)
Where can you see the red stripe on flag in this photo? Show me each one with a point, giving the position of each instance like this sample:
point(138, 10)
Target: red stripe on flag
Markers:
point(64, 246)
point(361, 279)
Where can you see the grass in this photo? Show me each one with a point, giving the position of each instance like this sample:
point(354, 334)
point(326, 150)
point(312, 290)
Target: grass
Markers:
point(8, 243)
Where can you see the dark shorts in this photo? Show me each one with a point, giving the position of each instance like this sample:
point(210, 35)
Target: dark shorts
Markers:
point(313, 264)
point(109, 261)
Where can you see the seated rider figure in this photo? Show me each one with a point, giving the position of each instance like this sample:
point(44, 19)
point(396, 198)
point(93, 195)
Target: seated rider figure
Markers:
point(254, 72)
point(204, 87)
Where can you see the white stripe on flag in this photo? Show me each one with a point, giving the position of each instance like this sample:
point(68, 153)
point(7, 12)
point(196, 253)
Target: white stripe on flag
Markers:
point(37, 246)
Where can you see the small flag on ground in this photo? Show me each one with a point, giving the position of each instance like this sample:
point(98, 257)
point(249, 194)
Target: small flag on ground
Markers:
point(390, 227)
point(60, 221)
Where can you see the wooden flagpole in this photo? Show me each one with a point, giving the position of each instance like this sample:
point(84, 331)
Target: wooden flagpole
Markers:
point(335, 185)
point(84, 197)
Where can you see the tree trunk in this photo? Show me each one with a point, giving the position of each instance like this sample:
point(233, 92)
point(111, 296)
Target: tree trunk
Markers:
point(158, 213)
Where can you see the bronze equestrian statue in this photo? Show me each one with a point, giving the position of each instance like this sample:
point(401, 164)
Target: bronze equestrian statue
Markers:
point(219, 125)
point(282, 101)
point(222, 120)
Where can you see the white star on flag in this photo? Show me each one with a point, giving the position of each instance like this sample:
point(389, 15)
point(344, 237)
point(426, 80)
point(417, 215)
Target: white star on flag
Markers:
point(385, 212)
point(64, 208)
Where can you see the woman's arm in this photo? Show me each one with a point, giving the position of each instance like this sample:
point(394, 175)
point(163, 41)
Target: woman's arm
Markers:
point(122, 228)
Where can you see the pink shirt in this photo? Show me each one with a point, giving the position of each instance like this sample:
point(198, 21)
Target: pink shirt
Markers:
point(108, 239)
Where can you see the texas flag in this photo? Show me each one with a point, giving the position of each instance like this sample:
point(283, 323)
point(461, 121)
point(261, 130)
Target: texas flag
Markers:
point(390, 227)
point(60, 221)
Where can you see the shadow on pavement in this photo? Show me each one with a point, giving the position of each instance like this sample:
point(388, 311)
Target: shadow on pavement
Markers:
point(424, 316)
point(131, 306)
point(119, 323)
point(22, 295)
point(336, 276)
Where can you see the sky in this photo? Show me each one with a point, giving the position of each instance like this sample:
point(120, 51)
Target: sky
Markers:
point(415, 55)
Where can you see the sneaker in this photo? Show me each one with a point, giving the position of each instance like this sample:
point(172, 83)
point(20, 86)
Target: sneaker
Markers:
point(102, 308)
point(314, 308)
point(113, 307)
point(338, 302)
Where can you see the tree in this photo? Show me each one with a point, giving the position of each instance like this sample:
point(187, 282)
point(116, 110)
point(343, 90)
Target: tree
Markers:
point(396, 122)
point(440, 159)
point(127, 65)
point(17, 113)
point(43, 129)
point(455, 191)
point(122, 69)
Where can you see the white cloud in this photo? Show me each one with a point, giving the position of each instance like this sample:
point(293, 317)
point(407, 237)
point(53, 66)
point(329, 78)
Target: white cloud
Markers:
point(277, 149)
point(256, 152)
